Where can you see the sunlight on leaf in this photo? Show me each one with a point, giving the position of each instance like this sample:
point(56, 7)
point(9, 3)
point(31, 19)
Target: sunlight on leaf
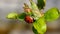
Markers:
point(52, 14)
point(40, 25)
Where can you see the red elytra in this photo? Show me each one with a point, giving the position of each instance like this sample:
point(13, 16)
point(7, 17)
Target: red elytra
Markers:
point(29, 19)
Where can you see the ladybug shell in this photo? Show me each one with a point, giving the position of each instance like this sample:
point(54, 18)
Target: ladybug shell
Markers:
point(29, 19)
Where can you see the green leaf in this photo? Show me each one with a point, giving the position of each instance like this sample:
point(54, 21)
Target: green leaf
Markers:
point(21, 16)
point(33, 5)
point(35, 10)
point(52, 14)
point(34, 30)
point(40, 25)
point(12, 16)
point(41, 3)
point(59, 13)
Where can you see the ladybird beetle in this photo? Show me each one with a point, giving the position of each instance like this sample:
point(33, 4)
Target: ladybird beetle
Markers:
point(29, 19)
